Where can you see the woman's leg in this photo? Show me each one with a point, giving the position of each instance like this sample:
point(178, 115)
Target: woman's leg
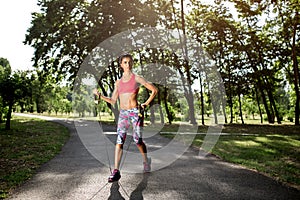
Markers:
point(118, 155)
point(115, 174)
point(121, 130)
point(123, 125)
point(143, 149)
point(137, 125)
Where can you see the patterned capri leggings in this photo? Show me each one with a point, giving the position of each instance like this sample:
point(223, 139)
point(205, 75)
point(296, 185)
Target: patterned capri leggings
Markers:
point(125, 118)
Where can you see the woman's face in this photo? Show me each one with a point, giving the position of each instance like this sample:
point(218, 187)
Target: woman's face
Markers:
point(125, 64)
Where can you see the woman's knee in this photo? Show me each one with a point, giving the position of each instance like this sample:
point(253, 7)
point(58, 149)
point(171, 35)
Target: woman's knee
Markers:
point(119, 146)
point(140, 142)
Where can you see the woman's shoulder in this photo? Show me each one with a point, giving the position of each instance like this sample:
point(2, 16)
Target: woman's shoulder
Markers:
point(139, 79)
point(136, 76)
point(117, 83)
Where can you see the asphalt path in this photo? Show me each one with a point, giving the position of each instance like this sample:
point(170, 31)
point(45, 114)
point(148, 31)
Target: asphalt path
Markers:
point(78, 174)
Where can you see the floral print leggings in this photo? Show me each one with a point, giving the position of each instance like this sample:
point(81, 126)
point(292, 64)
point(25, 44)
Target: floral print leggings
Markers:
point(125, 118)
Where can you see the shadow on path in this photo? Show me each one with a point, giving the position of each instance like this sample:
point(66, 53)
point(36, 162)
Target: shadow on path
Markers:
point(137, 194)
point(115, 193)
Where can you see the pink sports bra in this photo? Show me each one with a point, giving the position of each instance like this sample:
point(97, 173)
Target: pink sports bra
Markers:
point(130, 86)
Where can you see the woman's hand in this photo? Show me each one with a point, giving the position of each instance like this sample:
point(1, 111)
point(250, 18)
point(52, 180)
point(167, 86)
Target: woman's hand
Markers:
point(96, 92)
point(144, 105)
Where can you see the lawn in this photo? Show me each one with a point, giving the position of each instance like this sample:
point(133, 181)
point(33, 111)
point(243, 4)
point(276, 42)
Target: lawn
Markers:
point(24, 148)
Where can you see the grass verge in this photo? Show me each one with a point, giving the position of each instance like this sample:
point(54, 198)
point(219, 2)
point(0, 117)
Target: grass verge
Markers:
point(24, 148)
point(273, 150)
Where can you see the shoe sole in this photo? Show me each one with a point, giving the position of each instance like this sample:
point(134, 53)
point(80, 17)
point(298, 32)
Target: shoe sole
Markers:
point(111, 181)
point(115, 180)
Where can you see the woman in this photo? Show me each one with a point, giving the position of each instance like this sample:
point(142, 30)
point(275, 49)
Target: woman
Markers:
point(126, 89)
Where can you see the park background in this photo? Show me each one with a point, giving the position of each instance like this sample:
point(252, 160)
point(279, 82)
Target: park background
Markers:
point(254, 45)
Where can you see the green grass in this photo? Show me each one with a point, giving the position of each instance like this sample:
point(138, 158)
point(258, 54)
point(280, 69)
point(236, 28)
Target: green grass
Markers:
point(273, 150)
point(275, 155)
point(24, 148)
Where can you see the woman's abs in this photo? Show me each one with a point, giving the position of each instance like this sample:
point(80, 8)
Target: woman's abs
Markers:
point(128, 101)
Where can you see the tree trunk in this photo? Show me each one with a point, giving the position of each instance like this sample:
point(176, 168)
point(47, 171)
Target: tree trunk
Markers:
point(231, 108)
point(8, 116)
point(1, 117)
point(271, 116)
point(188, 71)
point(263, 96)
point(188, 92)
point(189, 97)
point(240, 108)
point(152, 114)
point(166, 105)
point(213, 105)
point(260, 87)
point(273, 106)
point(224, 108)
point(162, 119)
point(296, 73)
point(258, 104)
point(270, 95)
point(201, 100)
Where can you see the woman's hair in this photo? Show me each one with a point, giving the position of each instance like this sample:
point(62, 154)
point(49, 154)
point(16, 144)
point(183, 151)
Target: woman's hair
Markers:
point(126, 56)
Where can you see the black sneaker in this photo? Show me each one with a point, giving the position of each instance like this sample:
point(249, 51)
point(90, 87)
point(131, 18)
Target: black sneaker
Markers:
point(115, 176)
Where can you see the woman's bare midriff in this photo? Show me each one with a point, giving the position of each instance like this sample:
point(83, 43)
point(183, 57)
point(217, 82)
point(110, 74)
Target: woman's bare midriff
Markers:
point(128, 101)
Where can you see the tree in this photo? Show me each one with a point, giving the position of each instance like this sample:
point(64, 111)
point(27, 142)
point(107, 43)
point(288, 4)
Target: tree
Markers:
point(64, 32)
point(5, 71)
point(13, 87)
point(213, 27)
point(170, 17)
point(254, 57)
point(287, 22)
point(260, 53)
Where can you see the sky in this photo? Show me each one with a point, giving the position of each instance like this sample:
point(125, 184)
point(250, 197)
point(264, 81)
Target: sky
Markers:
point(15, 18)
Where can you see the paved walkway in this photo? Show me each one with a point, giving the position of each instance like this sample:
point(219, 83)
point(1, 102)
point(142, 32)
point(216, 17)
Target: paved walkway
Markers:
point(76, 175)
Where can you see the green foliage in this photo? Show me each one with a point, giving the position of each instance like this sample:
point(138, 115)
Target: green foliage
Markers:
point(64, 32)
point(13, 88)
point(172, 111)
point(254, 57)
point(25, 91)
point(246, 50)
point(82, 102)
point(5, 69)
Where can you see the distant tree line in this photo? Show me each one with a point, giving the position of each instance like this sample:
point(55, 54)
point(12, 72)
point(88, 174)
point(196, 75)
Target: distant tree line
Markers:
point(30, 91)
point(256, 52)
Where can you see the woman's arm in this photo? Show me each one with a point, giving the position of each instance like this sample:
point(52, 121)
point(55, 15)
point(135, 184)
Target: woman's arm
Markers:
point(150, 87)
point(112, 100)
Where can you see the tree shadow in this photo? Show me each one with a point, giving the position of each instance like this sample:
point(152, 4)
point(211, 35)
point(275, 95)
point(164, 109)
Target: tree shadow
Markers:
point(137, 194)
